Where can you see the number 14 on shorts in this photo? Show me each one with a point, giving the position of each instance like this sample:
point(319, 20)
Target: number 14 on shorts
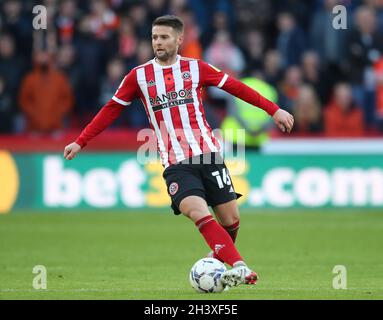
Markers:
point(221, 179)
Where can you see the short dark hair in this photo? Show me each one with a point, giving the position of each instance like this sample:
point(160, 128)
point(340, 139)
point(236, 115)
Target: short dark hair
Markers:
point(171, 21)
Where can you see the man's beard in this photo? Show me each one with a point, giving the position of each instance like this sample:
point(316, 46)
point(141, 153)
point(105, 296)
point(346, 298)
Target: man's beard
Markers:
point(164, 56)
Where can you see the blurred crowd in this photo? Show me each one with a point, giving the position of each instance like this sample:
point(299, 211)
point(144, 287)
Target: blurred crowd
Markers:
point(57, 79)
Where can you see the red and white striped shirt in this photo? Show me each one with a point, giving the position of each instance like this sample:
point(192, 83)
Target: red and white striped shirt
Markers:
point(172, 97)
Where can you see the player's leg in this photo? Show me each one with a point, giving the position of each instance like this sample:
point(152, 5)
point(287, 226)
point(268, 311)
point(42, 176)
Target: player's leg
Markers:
point(188, 197)
point(222, 197)
point(189, 193)
point(227, 215)
point(196, 209)
point(219, 240)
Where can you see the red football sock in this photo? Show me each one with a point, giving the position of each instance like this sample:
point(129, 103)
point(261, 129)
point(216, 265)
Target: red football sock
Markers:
point(232, 230)
point(218, 240)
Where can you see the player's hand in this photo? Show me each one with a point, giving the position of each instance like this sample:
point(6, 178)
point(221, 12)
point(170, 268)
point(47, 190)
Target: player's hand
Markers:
point(71, 150)
point(284, 120)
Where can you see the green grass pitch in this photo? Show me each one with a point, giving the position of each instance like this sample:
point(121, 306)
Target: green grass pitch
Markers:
point(148, 254)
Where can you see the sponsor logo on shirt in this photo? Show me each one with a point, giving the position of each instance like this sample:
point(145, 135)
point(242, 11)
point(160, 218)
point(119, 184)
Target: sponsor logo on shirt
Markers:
point(171, 99)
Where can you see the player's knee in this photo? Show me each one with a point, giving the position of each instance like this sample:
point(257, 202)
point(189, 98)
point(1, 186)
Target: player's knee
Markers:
point(231, 219)
point(195, 214)
point(235, 218)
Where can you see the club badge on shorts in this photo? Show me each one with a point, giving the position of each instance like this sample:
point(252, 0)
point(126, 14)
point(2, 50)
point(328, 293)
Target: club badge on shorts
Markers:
point(173, 188)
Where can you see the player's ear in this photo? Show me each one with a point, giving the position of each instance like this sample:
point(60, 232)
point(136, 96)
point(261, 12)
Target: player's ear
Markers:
point(180, 39)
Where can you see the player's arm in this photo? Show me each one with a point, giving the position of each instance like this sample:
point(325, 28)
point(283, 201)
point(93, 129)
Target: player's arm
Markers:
point(211, 76)
point(282, 118)
point(108, 113)
point(233, 111)
point(126, 92)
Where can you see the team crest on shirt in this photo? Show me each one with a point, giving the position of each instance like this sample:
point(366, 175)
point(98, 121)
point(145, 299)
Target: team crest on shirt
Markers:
point(186, 76)
point(173, 188)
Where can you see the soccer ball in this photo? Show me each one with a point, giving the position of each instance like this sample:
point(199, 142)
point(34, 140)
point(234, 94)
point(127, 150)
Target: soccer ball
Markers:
point(205, 275)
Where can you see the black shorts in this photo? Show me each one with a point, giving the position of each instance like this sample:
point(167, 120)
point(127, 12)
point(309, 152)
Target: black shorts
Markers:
point(205, 176)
